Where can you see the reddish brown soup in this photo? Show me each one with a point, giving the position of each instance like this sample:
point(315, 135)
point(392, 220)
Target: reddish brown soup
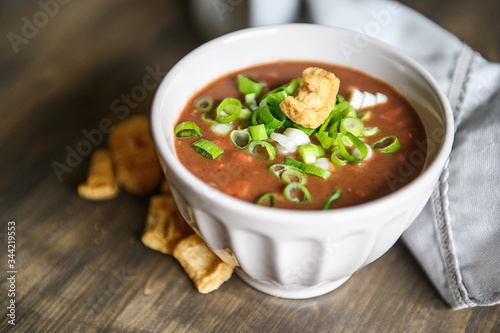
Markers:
point(240, 174)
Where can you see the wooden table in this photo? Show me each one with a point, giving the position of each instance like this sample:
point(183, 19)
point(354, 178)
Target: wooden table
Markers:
point(67, 65)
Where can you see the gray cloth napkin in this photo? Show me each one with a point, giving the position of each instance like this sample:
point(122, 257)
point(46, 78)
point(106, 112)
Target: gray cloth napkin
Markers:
point(456, 239)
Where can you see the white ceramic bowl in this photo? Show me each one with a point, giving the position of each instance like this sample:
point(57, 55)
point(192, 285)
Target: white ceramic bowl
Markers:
point(299, 254)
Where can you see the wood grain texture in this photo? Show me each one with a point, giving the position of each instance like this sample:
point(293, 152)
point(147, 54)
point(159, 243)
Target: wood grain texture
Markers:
point(81, 265)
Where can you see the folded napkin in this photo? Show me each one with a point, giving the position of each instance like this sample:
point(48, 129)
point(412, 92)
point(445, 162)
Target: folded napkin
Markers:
point(456, 238)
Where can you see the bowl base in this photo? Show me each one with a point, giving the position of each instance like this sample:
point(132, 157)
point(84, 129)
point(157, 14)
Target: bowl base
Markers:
point(290, 292)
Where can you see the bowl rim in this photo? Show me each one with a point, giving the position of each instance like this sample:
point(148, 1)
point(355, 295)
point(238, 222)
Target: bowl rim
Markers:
point(279, 215)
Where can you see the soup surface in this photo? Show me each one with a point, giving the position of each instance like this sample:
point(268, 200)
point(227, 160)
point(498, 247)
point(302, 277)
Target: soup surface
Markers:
point(241, 174)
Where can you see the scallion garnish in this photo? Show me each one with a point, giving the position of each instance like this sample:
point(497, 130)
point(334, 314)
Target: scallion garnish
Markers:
point(245, 113)
point(310, 152)
point(228, 110)
point(297, 193)
point(240, 138)
point(258, 132)
point(262, 149)
point(294, 175)
point(268, 199)
point(207, 148)
point(187, 129)
point(222, 128)
point(272, 116)
point(204, 104)
point(277, 169)
point(357, 143)
point(389, 144)
point(331, 199)
point(248, 85)
point(369, 131)
point(353, 125)
point(338, 159)
point(308, 168)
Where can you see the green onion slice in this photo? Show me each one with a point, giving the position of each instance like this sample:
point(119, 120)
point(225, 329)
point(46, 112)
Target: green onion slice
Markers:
point(278, 169)
point(297, 193)
point(245, 114)
point(258, 132)
point(361, 147)
point(268, 199)
point(222, 128)
point(292, 86)
point(310, 152)
point(308, 168)
point(251, 101)
point(338, 159)
point(208, 117)
point(294, 175)
point(207, 149)
point(350, 112)
point(248, 85)
point(332, 198)
point(353, 125)
point(240, 138)
point(262, 149)
point(370, 131)
point(389, 144)
point(187, 129)
point(272, 116)
point(204, 104)
point(228, 110)
point(324, 139)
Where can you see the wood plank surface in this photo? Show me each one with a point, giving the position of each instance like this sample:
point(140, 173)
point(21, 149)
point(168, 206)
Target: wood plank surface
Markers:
point(81, 266)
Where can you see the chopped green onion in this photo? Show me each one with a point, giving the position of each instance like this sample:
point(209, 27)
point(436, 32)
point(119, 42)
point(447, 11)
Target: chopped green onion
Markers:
point(334, 129)
point(187, 129)
point(335, 115)
point(248, 85)
point(332, 198)
point(222, 128)
point(204, 104)
point(357, 143)
point(240, 138)
point(256, 117)
point(307, 131)
point(268, 197)
point(208, 117)
point(273, 117)
point(277, 169)
point(245, 114)
point(308, 168)
point(292, 86)
point(370, 131)
point(251, 101)
point(275, 96)
point(310, 152)
point(297, 193)
point(385, 145)
point(228, 110)
point(258, 132)
point(338, 159)
point(353, 125)
point(262, 149)
point(207, 148)
point(350, 112)
point(294, 175)
point(325, 140)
